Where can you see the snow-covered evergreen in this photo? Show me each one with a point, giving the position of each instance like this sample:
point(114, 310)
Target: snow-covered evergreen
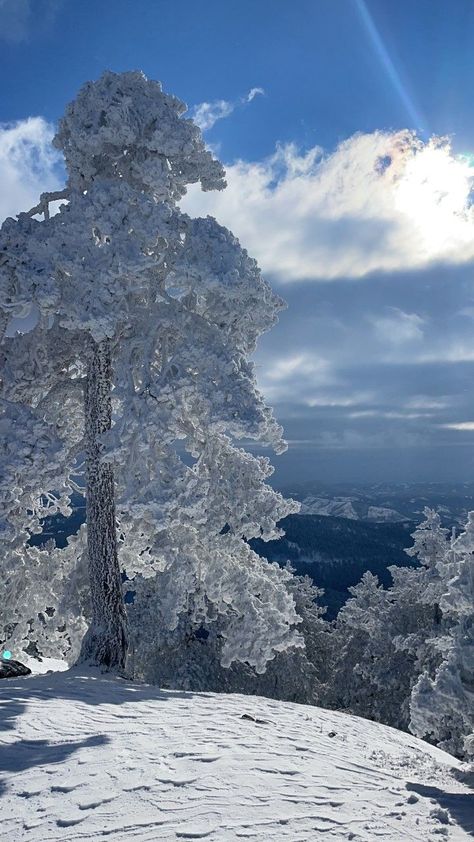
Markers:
point(442, 706)
point(139, 361)
point(134, 377)
point(385, 639)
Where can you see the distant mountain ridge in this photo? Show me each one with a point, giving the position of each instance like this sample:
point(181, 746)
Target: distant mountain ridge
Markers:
point(349, 508)
point(385, 502)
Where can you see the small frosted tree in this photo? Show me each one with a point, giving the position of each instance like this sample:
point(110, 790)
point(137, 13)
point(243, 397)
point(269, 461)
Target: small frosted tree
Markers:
point(357, 645)
point(385, 639)
point(139, 359)
point(442, 705)
point(431, 543)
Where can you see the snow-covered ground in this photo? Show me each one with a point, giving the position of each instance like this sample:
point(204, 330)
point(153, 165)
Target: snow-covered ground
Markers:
point(88, 757)
point(39, 667)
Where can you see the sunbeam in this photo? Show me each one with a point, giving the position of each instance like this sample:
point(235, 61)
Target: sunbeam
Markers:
point(416, 118)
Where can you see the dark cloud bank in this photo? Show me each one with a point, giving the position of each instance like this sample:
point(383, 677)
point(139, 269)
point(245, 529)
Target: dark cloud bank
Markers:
point(373, 378)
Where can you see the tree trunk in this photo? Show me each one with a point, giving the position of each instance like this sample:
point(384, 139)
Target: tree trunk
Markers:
point(105, 642)
point(4, 319)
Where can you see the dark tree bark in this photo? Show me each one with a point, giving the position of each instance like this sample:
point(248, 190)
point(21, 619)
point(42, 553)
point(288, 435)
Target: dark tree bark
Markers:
point(106, 640)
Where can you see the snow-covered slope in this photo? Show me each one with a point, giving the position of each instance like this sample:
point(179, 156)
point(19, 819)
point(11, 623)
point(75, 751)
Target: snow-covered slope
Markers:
point(383, 514)
point(88, 757)
point(344, 507)
point(337, 507)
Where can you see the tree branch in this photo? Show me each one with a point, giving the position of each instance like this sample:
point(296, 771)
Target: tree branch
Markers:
point(45, 199)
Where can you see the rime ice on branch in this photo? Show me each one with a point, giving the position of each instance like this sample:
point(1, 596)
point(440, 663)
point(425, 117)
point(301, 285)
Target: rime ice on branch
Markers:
point(140, 353)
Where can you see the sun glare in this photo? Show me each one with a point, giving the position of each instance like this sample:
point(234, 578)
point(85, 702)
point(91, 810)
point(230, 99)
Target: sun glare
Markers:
point(433, 190)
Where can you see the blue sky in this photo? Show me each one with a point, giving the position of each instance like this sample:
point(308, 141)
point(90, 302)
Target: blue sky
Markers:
point(365, 234)
point(316, 59)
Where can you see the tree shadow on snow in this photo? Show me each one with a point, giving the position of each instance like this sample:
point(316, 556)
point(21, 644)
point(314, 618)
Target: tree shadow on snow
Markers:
point(459, 805)
point(24, 754)
point(10, 708)
point(89, 685)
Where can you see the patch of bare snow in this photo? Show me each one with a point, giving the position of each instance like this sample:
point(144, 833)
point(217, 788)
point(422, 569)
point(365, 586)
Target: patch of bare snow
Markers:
point(40, 666)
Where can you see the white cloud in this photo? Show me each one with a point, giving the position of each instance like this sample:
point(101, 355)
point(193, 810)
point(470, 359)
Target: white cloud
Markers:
point(398, 327)
point(425, 402)
point(283, 377)
point(462, 425)
point(381, 202)
point(28, 164)
point(301, 364)
point(325, 400)
point(451, 351)
point(392, 414)
point(253, 92)
point(206, 114)
point(354, 440)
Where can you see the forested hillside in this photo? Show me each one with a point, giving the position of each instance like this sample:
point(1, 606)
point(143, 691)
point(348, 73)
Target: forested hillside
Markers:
point(335, 552)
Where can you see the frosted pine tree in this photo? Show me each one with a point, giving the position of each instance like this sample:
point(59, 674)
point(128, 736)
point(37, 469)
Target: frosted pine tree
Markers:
point(430, 547)
point(361, 641)
point(442, 706)
point(138, 362)
point(385, 639)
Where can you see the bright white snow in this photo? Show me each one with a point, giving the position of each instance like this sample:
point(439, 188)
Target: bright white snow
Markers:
point(39, 667)
point(85, 756)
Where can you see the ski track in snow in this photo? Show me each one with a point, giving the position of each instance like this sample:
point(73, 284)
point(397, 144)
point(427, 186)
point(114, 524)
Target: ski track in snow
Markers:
point(85, 756)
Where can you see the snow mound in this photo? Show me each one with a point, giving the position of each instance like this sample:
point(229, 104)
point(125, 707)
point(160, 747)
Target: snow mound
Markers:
point(90, 757)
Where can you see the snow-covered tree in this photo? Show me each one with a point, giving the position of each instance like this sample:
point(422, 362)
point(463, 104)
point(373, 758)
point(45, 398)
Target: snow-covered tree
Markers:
point(48, 597)
point(301, 675)
point(145, 320)
point(191, 656)
point(442, 705)
point(431, 545)
point(385, 639)
point(361, 639)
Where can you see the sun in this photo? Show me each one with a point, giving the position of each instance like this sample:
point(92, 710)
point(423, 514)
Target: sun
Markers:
point(433, 189)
